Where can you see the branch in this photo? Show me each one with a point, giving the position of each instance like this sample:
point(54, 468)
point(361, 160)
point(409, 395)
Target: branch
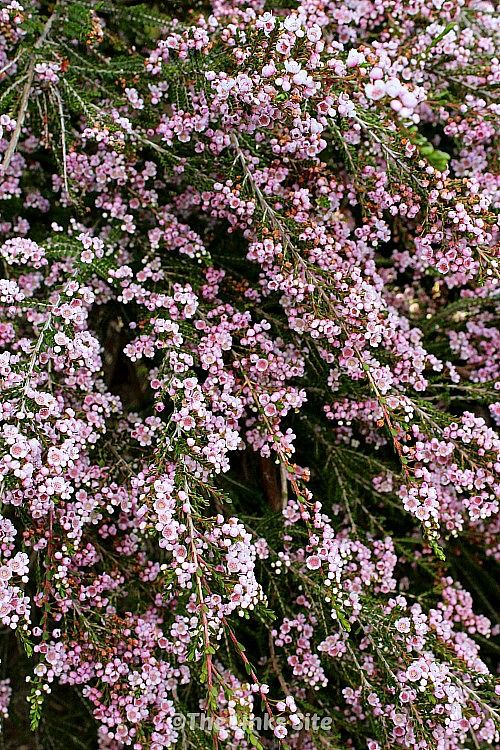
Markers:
point(23, 105)
point(60, 109)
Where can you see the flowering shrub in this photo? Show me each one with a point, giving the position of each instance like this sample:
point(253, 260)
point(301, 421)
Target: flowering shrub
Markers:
point(249, 373)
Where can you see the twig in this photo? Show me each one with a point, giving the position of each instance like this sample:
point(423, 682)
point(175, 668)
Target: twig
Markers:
point(276, 667)
point(284, 485)
point(9, 64)
point(203, 611)
point(59, 103)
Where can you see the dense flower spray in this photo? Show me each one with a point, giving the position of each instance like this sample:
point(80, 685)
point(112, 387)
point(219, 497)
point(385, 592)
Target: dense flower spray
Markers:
point(249, 373)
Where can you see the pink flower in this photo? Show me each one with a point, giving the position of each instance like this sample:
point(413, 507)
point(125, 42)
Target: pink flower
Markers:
point(403, 625)
point(414, 673)
point(313, 562)
point(280, 731)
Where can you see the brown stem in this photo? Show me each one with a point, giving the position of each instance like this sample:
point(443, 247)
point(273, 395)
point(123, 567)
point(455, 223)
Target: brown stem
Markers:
point(25, 96)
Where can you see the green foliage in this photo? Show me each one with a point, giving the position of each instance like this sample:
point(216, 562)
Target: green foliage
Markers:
point(436, 158)
point(78, 21)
